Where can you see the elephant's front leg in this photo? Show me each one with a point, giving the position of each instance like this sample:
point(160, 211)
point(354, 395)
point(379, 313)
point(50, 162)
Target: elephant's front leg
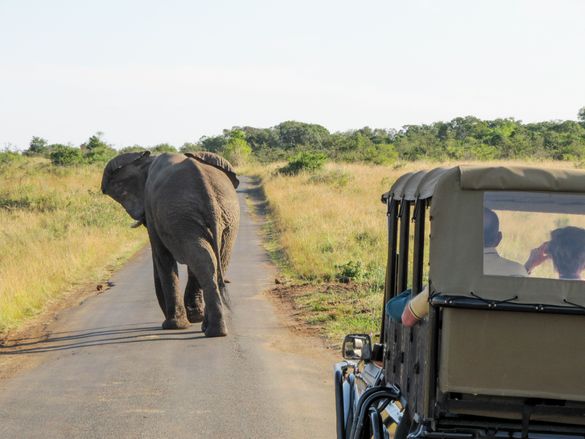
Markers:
point(194, 300)
point(168, 274)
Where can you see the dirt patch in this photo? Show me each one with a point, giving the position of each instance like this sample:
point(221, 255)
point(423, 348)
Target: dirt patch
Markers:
point(291, 301)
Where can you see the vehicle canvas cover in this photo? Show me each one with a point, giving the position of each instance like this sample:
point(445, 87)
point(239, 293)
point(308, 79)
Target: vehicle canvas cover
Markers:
point(484, 352)
point(456, 258)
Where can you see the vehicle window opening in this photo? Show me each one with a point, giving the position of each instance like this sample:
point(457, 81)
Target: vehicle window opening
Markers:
point(541, 235)
point(404, 246)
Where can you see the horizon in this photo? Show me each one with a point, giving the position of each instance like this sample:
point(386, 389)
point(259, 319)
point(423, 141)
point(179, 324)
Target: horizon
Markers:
point(103, 135)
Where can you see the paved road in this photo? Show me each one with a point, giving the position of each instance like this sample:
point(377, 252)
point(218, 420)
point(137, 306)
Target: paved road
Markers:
point(108, 371)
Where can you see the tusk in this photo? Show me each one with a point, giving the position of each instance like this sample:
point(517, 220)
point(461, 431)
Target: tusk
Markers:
point(137, 224)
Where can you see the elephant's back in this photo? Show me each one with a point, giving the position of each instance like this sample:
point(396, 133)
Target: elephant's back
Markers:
point(183, 187)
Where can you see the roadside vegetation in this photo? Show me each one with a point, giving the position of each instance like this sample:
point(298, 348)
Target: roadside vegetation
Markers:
point(327, 230)
point(57, 231)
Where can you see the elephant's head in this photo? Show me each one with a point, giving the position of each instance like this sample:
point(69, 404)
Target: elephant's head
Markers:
point(124, 180)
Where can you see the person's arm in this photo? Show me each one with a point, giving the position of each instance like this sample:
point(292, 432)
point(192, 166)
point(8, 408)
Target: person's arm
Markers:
point(537, 256)
point(416, 309)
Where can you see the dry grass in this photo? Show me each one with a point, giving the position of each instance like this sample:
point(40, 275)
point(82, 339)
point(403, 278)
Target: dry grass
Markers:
point(57, 230)
point(332, 223)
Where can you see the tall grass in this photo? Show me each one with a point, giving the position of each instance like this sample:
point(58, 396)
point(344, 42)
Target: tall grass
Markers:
point(56, 230)
point(331, 225)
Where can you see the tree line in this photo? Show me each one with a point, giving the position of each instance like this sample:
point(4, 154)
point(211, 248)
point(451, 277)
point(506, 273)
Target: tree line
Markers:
point(462, 138)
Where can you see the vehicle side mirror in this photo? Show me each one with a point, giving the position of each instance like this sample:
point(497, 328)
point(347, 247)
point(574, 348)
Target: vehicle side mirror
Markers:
point(357, 347)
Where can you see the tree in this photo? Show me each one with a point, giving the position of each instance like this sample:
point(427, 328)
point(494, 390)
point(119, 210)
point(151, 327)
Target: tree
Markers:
point(37, 146)
point(581, 115)
point(292, 134)
point(95, 150)
point(237, 151)
point(95, 141)
point(213, 144)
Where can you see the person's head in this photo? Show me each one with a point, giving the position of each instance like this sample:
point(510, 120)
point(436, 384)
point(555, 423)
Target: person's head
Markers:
point(567, 249)
point(491, 228)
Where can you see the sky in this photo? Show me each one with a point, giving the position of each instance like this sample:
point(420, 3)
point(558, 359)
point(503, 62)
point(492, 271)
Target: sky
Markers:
point(149, 72)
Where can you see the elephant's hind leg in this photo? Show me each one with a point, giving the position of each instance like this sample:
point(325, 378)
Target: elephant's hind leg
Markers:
point(194, 300)
point(160, 296)
point(168, 277)
point(202, 262)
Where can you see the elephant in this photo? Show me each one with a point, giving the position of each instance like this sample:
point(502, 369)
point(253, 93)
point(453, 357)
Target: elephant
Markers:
point(188, 204)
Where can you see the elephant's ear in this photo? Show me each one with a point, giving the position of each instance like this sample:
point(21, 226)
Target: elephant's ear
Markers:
point(211, 159)
point(118, 163)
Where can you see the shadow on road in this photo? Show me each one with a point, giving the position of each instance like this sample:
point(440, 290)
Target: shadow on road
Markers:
point(94, 337)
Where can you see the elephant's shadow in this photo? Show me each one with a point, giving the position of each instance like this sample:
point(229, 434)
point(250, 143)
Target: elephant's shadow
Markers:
point(112, 335)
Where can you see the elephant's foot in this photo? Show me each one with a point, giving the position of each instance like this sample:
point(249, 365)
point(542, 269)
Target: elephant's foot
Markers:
point(218, 329)
point(176, 324)
point(195, 315)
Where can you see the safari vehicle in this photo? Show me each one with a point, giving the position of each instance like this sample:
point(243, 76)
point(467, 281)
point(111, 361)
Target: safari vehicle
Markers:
point(499, 354)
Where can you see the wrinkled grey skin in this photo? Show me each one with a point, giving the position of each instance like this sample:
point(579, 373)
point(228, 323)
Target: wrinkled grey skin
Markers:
point(191, 211)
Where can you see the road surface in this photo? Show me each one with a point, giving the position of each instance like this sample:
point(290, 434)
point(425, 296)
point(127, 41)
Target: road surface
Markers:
point(109, 371)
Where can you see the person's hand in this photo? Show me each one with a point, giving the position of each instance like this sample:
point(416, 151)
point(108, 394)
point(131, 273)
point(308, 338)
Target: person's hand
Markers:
point(537, 256)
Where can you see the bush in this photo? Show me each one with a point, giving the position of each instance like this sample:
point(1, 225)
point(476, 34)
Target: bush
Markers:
point(133, 148)
point(9, 157)
point(163, 147)
point(351, 270)
point(38, 146)
point(305, 161)
point(100, 154)
point(66, 156)
point(237, 151)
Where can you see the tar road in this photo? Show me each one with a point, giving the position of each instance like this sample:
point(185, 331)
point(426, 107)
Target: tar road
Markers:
point(107, 370)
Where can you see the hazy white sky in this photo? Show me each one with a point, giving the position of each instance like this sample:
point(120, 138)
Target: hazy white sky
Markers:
point(146, 72)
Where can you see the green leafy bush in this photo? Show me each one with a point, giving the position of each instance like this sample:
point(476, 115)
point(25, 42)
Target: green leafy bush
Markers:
point(100, 154)
point(309, 161)
point(163, 147)
point(133, 148)
point(351, 270)
point(63, 155)
point(9, 157)
point(237, 151)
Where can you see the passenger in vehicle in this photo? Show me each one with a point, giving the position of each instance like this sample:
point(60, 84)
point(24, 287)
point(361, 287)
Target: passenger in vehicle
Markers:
point(566, 248)
point(493, 264)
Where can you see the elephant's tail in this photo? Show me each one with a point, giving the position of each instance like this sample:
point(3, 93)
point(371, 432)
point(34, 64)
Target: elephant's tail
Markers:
point(225, 297)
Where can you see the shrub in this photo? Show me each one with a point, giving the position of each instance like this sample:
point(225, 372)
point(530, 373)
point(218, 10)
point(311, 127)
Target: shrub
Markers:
point(133, 148)
point(9, 157)
point(101, 154)
point(237, 151)
point(38, 146)
point(163, 147)
point(351, 270)
point(66, 156)
point(304, 161)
